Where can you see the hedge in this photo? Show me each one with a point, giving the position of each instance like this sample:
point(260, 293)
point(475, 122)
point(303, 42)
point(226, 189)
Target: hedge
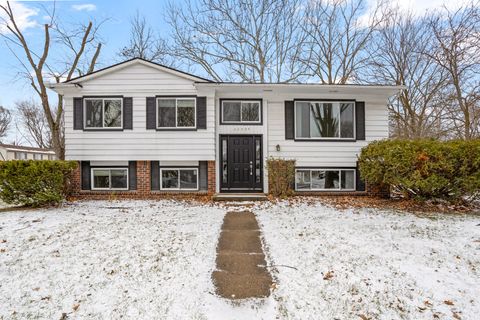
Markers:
point(281, 174)
point(424, 169)
point(35, 183)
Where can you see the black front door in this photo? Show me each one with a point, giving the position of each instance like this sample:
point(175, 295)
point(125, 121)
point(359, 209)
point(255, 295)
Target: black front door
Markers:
point(241, 163)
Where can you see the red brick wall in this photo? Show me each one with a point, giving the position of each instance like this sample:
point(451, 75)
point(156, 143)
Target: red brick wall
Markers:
point(143, 186)
point(212, 181)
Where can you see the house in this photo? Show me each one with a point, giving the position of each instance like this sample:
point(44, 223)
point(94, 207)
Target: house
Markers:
point(140, 129)
point(13, 152)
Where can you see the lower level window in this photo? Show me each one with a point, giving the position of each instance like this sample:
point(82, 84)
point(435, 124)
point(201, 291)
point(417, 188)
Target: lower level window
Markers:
point(324, 179)
point(110, 178)
point(179, 178)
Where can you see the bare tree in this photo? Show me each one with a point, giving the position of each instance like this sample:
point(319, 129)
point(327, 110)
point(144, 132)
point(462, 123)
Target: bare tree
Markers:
point(32, 123)
point(77, 41)
point(251, 41)
point(145, 44)
point(458, 54)
point(5, 120)
point(398, 55)
point(336, 34)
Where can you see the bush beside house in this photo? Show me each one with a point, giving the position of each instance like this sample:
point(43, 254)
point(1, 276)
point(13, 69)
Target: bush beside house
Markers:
point(424, 169)
point(281, 174)
point(35, 183)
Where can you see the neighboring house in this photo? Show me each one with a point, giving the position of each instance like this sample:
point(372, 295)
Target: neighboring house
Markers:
point(13, 152)
point(142, 129)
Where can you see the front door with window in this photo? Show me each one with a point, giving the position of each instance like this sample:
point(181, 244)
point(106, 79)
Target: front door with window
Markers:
point(241, 163)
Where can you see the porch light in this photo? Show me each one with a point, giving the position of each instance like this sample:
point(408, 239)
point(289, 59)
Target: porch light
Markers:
point(277, 147)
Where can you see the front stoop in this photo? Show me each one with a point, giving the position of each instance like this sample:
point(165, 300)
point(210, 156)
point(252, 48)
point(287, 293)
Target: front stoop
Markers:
point(240, 197)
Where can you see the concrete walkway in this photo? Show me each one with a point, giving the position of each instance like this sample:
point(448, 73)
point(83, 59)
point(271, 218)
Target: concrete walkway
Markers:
point(241, 268)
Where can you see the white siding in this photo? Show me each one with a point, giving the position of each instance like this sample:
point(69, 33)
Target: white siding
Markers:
point(138, 81)
point(324, 153)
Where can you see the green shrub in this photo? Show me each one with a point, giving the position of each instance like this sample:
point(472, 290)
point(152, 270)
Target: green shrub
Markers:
point(281, 173)
point(35, 183)
point(424, 169)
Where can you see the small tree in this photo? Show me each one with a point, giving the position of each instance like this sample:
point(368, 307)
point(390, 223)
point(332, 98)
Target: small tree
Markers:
point(32, 123)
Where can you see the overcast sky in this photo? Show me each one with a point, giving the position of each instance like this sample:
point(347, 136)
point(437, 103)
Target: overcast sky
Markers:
point(31, 15)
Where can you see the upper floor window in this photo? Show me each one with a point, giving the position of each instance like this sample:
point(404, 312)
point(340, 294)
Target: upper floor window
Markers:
point(103, 113)
point(241, 111)
point(324, 120)
point(176, 113)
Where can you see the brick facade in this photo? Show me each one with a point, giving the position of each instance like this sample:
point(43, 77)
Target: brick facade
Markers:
point(143, 190)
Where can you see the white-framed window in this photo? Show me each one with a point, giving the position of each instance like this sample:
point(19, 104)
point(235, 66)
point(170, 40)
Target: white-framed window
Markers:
point(103, 113)
point(176, 113)
point(37, 156)
point(325, 120)
point(318, 179)
point(178, 178)
point(241, 111)
point(109, 178)
point(20, 155)
point(51, 157)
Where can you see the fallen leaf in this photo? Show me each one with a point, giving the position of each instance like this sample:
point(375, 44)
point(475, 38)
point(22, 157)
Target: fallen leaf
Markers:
point(363, 317)
point(456, 316)
point(448, 302)
point(75, 306)
point(329, 275)
point(428, 303)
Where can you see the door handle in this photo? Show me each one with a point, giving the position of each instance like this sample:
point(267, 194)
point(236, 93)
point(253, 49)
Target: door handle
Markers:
point(251, 168)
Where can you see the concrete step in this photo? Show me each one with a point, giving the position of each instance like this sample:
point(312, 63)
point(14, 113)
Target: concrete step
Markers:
point(239, 197)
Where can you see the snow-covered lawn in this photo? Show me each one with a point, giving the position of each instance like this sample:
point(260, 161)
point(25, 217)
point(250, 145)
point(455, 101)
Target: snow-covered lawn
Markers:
point(369, 264)
point(153, 260)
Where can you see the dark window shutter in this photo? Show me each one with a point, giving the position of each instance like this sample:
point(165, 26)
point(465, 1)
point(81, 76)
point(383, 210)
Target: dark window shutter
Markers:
point(77, 113)
point(360, 184)
point(86, 185)
point(132, 175)
point(289, 120)
point(127, 113)
point(201, 112)
point(151, 113)
point(360, 120)
point(203, 176)
point(155, 175)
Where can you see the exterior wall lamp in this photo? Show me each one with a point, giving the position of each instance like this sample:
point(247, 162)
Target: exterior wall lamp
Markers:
point(277, 147)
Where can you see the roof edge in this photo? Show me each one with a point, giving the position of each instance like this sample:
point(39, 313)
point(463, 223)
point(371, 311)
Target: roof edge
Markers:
point(96, 73)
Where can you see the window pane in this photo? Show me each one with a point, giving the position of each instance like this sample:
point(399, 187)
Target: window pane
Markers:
point(119, 178)
point(324, 120)
point(170, 179)
point(348, 179)
point(231, 111)
point(166, 113)
point(346, 116)
point(302, 179)
point(224, 161)
point(332, 180)
point(93, 113)
point(258, 160)
point(318, 179)
point(37, 156)
point(186, 113)
point(188, 179)
point(302, 119)
point(101, 179)
point(250, 111)
point(113, 113)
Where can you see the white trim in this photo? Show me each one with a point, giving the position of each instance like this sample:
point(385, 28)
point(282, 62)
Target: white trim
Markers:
point(176, 112)
point(109, 178)
point(326, 169)
point(124, 65)
point(259, 101)
point(339, 122)
point(178, 170)
point(103, 113)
